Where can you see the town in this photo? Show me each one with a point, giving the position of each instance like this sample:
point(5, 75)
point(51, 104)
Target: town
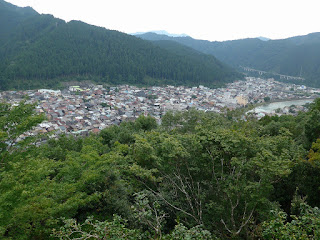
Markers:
point(91, 108)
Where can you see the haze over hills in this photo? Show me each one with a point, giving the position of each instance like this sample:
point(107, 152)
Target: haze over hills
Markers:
point(162, 32)
point(42, 51)
point(264, 38)
point(296, 56)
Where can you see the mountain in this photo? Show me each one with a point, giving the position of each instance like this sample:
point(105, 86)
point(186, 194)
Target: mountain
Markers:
point(264, 38)
point(42, 51)
point(296, 56)
point(11, 16)
point(162, 32)
point(207, 61)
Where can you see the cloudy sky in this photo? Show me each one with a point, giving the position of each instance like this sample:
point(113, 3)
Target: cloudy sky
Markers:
point(214, 20)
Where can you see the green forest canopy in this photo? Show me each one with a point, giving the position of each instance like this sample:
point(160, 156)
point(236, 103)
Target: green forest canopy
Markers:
point(196, 176)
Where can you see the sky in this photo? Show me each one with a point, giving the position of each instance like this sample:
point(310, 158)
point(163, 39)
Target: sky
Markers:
point(213, 20)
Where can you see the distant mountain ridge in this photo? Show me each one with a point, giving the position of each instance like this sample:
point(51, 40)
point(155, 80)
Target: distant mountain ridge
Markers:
point(264, 38)
point(295, 56)
point(162, 32)
point(41, 51)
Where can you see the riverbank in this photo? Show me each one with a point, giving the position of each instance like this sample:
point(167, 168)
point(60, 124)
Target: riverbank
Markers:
point(291, 99)
point(283, 106)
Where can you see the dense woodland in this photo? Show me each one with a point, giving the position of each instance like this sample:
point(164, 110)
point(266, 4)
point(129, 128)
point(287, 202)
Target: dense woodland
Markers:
point(296, 56)
point(196, 176)
point(10, 17)
point(42, 51)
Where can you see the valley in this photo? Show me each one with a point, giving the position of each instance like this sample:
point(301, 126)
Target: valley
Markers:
point(109, 135)
point(91, 108)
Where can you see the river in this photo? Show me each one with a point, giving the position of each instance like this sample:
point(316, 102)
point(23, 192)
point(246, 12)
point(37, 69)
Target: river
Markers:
point(268, 108)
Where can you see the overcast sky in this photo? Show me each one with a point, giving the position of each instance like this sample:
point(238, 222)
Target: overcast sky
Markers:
point(214, 20)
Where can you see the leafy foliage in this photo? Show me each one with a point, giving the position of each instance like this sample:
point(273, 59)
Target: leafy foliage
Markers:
point(196, 176)
point(14, 121)
point(94, 229)
point(305, 225)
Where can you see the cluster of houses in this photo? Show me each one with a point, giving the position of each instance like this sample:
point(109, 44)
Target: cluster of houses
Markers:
point(84, 109)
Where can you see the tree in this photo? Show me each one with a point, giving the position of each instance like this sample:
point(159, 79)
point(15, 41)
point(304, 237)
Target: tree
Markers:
point(314, 153)
point(199, 176)
point(145, 123)
point(266, 99)
point(147, 210)
point(305, 223)
point(117, 229)
point(94, 229)
point(180, 232)
point(213, 169)
point(15, 121)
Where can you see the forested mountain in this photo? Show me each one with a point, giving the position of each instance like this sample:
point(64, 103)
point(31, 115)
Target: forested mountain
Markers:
point(293, 56)
point(163, 32)
point(11, 16)
point(43, 50)
point(217, 68)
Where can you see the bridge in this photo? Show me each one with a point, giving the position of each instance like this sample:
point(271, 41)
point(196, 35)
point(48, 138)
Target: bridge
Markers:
point(287, 77)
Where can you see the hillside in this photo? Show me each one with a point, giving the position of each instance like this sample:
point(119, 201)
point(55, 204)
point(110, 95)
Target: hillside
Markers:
point(217, 68)
point(292, 56)
point(43, 51)
point(11, 16)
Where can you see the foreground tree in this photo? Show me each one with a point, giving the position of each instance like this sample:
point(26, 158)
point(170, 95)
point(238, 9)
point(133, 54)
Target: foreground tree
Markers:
point(94, 229)
point(198, 176)
point(15, 121)
point(304, 223)
point(216, 173)
point(117, 229)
